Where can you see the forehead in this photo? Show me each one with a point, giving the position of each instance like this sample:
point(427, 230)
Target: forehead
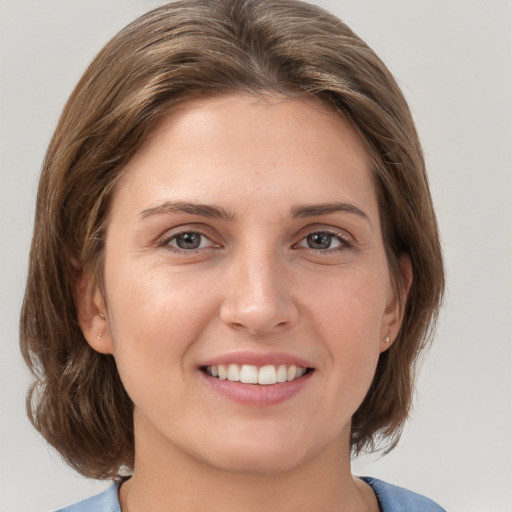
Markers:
point(244, 149)
point(232, 118)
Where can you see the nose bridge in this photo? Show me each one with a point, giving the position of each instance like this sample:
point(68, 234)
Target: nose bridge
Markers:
point(257, 296)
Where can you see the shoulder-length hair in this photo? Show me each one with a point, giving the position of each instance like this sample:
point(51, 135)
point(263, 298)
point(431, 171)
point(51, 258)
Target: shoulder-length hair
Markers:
point(206, 48)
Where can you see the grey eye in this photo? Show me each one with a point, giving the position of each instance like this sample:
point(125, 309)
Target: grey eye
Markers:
point(189, 240)
point(324, 241)
point(319, 240)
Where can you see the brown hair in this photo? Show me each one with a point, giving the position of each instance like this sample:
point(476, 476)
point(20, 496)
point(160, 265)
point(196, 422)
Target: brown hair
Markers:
point(197, 48)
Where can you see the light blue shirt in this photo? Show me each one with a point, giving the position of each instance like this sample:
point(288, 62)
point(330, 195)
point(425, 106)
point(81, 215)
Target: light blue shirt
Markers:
point(390, 497)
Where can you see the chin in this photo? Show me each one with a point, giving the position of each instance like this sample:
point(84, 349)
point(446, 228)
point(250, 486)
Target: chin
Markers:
point(259, 464)
point(258, 457)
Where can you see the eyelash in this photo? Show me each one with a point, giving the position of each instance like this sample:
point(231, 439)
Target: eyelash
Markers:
point(166, 241)
point(346, 242)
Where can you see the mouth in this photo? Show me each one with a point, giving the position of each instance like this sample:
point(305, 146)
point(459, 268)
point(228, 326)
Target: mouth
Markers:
point(266, 375)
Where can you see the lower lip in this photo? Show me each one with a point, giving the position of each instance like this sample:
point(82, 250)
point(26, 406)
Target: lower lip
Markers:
point(256, 394)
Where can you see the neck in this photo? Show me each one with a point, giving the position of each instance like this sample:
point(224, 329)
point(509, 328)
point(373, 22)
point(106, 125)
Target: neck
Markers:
point(167, 479)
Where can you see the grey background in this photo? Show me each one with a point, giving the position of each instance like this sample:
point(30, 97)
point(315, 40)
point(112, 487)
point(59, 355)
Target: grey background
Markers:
point(453, 60)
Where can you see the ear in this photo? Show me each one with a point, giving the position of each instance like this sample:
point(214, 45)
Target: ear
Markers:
point(93, 317)
point(395, 309)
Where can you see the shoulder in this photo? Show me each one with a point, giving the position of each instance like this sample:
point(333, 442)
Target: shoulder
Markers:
point(391, 499)
point(397, 499)
point(107, 501)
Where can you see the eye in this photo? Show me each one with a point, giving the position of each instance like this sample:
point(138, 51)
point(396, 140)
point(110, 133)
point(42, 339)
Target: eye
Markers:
point(187, 241)
point(325, 240)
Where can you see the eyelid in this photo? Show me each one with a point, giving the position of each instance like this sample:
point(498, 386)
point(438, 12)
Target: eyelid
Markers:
point(343, 243)
point(347, 239)
point(165, 239)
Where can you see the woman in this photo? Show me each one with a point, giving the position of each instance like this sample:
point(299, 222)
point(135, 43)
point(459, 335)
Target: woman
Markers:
point(235, 265)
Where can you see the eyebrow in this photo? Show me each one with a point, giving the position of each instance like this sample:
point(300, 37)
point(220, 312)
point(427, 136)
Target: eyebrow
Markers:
point(202, 210)
point(326, 208)
point(217, 212)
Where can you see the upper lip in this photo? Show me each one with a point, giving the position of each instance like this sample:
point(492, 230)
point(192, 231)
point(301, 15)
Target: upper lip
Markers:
point(258, 359)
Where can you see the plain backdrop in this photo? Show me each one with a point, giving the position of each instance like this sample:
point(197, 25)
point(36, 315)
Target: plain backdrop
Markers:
point(453, 60)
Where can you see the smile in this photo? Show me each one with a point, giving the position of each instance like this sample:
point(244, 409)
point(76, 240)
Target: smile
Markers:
point(250, 374)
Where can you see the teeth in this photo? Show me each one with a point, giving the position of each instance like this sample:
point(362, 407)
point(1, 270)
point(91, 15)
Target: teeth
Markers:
point(291, 373)
point(267, 375)
point(222, 371)
point(249, 374)
point(233, 373)
point(281, 373)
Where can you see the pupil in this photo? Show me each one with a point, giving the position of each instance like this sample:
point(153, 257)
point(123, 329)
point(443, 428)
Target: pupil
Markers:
point(188, 240)
point(319, 240)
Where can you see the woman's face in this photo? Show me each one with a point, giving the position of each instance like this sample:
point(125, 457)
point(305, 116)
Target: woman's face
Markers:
point(244, 240)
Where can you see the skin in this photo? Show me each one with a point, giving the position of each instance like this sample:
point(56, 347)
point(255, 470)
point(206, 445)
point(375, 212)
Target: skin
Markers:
point(254, 284)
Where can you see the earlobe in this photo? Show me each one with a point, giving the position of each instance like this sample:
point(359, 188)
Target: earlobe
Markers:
point(92, 317)
point(395, 310)
point(385, 343)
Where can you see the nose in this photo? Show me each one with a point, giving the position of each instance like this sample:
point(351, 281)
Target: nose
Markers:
point(258, 295)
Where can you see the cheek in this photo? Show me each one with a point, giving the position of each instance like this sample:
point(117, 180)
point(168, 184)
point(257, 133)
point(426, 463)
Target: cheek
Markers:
point(350, 307)
point(349, 314)
point(155, 321)
point(158, 303)
point(155, 318)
